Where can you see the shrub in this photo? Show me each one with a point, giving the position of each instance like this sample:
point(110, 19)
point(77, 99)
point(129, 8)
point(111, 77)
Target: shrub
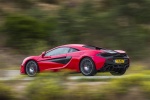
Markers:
point(146, 88)
point(52, 86)
point(45, 87)
point(24, 32)
point(20, 3)
point(25, 4)
point(44, 90)
point(6, 93)
point(123, 85)
point(50, 1)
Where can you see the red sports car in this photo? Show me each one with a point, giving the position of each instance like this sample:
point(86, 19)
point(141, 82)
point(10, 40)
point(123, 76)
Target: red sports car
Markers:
point(82, 58)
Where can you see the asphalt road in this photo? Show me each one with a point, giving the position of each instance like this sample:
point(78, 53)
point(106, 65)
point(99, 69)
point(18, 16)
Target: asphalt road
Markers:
point(9, 74)
point(24, 80)
point(13, 74)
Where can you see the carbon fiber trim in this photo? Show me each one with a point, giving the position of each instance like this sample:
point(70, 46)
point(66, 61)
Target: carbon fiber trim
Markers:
point(62, 60)
point(110, 64)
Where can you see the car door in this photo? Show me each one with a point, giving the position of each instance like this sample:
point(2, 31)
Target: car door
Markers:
point(54, 59)
point(75, 58)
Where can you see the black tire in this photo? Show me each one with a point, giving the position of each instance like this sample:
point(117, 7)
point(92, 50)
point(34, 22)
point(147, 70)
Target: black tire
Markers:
point(121, 72)
point(87, 67)
point(31, 68)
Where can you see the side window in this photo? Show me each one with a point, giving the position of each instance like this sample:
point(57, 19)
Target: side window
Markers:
point(58, 51)
point(73, 50)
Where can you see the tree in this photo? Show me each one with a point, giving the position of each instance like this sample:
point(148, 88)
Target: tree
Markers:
point(24, 32)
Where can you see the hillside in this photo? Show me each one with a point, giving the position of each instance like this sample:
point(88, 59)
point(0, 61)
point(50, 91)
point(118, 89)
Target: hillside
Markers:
point(105, 23)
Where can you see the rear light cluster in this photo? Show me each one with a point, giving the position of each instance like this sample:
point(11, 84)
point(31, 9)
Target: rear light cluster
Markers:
point(112, 54)
point(106, 54)
point(121, 55)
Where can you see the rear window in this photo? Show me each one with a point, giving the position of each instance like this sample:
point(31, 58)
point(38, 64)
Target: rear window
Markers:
point(73, 50)
point(92, 47)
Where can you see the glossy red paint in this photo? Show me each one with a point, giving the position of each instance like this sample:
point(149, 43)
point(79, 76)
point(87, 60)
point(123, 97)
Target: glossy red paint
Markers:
point(51, 62)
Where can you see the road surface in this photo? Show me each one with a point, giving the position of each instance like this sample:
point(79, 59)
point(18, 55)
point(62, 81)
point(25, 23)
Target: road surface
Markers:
point(13, 74)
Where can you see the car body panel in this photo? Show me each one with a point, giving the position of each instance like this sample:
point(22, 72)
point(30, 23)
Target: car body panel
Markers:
point(71, 60)
point(46, 63)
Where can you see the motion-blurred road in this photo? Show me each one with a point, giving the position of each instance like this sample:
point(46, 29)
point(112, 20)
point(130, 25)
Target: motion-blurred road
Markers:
point(14, 74)
point(24, 80)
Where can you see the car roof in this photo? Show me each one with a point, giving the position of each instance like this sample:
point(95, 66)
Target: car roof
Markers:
point(77, 46)
point(74, 45)
point(81, 46)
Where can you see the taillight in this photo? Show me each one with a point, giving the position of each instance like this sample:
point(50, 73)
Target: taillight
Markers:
point(104, 54)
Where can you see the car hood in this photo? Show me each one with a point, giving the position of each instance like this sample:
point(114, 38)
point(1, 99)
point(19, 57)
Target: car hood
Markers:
point(31, 57)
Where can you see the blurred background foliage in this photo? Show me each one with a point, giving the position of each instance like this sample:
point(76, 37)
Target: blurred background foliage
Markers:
point(6, 92)
point(32, 26)
point(54, 86)
point(116, 24)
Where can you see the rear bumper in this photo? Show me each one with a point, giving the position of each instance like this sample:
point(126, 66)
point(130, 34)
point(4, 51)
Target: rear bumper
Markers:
point(110, 65)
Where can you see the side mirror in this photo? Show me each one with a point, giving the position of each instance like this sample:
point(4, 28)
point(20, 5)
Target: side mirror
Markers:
point(43, 54)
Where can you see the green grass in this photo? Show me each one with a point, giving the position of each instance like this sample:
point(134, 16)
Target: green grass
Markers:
point(52, 86)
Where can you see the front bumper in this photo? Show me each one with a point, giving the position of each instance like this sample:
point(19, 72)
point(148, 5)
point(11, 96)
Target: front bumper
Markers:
point(110, 65)
point(22, 70)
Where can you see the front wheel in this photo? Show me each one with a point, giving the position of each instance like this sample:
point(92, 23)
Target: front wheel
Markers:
point(87, 67)
point(121, 72)
point(31, 68)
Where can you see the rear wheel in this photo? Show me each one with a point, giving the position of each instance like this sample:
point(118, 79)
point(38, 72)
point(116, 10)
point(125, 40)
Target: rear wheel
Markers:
point(120, 72)
point(31, 68)
point(87, 67)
